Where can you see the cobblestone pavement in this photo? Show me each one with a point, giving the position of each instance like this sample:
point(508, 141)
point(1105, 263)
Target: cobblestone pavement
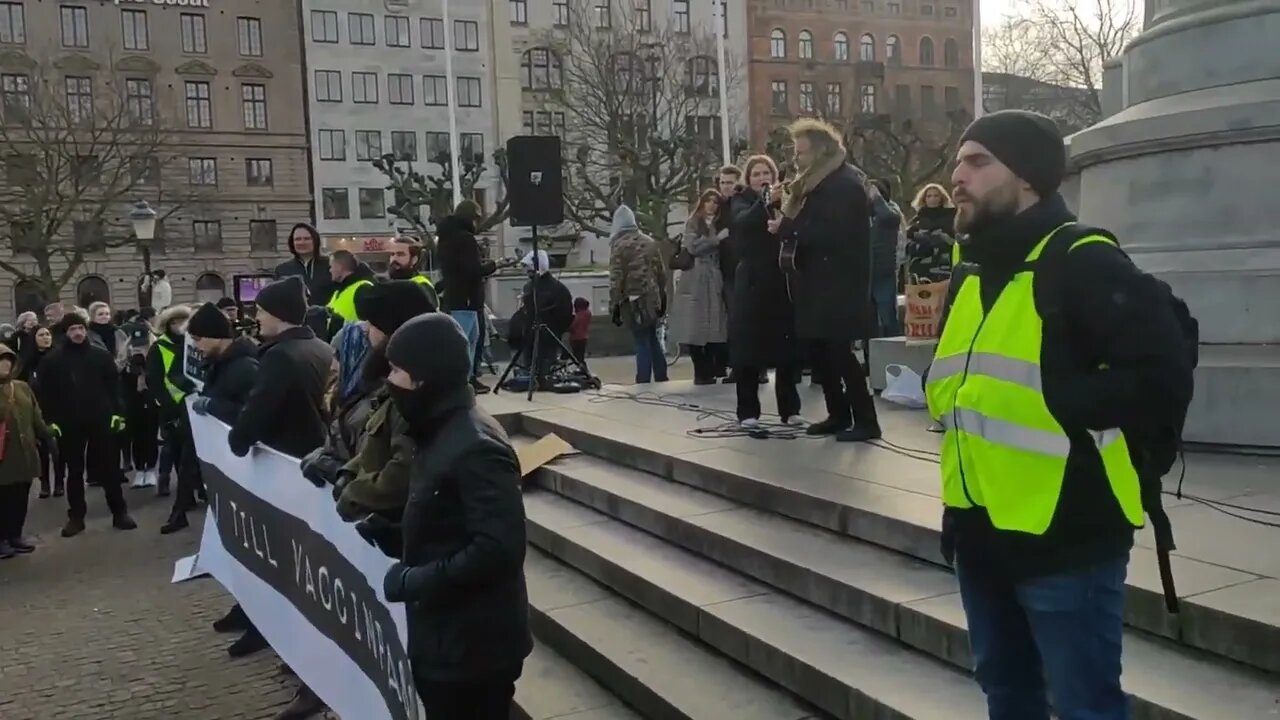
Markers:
point(91, 628)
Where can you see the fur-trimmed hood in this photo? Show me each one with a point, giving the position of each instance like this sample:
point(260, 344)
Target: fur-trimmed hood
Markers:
point(168, 315)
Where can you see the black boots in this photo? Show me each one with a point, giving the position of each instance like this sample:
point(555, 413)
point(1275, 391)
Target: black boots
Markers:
point(177, 521)
point(305, 704)
point(830, 426)
point(248, 644)
point(234, 620)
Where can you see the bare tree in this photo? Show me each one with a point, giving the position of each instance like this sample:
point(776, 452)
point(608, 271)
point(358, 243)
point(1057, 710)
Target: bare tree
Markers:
point(413, 189)
point(74, 161)
point(640, 99)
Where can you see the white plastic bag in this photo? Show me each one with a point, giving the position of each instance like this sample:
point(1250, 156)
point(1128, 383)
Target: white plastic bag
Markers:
point(903, 386)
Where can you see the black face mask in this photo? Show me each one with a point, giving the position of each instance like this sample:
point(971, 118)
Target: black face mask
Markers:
point(413, 405)
point(374, 368)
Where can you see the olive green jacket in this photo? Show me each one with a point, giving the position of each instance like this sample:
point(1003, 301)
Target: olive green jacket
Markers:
point(379, 471)
point(24, 428)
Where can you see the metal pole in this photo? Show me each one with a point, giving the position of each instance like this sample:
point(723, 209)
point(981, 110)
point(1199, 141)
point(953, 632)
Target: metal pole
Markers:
point(451, 95)
point(721, 73)
point(977, 59)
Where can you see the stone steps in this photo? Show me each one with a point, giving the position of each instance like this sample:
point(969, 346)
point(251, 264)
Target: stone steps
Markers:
point(551, 688)
point(1225, 612)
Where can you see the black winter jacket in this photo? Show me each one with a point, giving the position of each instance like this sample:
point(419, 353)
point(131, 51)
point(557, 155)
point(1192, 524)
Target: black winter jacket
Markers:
point(230, 378)
point(78, 386)
point(1114, 316)
point(761, 319)
point(464, 547)
point(462, 271)
point(314, 272)
point(285, 409)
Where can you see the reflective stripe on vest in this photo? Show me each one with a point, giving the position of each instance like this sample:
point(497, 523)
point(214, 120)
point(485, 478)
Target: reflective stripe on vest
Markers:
point(1002, 449)
point(343, 302)
point(167, 356)
point(423, 280)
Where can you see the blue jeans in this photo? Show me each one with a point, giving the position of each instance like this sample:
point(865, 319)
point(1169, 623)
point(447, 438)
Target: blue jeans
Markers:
point(470, 323)
point(651, 361)
point(1048, 637)
point(884, 293)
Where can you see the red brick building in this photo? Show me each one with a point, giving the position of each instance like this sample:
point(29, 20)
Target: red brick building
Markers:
point(841, 58)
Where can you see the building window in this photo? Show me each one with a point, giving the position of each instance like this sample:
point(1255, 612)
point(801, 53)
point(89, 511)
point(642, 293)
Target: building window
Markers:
point(806, 45)
point(868, 6)
point(471, 145)
point(210, 287)
point(949, 11)
point(893, 51)
point(468, 92)
point(29, 296)
point(519, 12)
point(867, 47)
point(335, 203)
point(324, 26)
point(842, 46)
point(926, 51)
point(926, 10)
point(207, 235)
point(254, 98)
point(432, 31)
point(806, 97)
point(681, 10)
point(951, 53)
point(399, 89)
point(17, 96)
point(138, 100)
point(75, 26)
point(902, 100)
point(835, 99)
point(360, 29)
point(526, 118)
point(249, 34)
point(79, 91)
point(951, 98)
point(704, 77)
point(202, 171)
point(364, 88)
point(328, 86)
point(437, 147)
point(404, 145)
point(13, 23)
point(136, 33)
point(928, 101)
point(895, 8)
point(778, 97)
point(603, 13)
point(93, 288)
point(199, 106)
point(368, 144)
point(258, 172)
point(466, 35)
point(544, 123)
point(194, 39)
point(867, 99)
point(372, 203)
point(777, 43)
point(398, 31)
point(435, 90)
point(333, 145)
point(561, 8)
point(262, 235)
point(541, 70)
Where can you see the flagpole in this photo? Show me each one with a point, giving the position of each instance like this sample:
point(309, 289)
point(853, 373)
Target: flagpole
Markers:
point(722, 73)
point(977, 59)
point(451, 95)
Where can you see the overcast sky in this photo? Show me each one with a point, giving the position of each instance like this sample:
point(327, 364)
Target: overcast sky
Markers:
point(993, 11)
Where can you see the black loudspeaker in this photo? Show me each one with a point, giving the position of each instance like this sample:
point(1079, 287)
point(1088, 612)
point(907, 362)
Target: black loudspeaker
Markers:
point(534, 181)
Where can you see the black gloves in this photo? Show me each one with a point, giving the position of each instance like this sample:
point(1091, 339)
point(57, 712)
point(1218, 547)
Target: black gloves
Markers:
point(320, 468)
point(382, 534)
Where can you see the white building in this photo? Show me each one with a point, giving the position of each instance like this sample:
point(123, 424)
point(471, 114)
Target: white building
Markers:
point(376, 81)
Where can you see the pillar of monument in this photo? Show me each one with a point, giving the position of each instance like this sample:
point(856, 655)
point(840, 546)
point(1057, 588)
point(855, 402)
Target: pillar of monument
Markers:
point(1184, 174)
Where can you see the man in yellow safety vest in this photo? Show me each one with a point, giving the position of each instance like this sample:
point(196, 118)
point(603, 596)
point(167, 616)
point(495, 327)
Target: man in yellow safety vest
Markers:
point(405, 263)
point(349, 275)
point(1038, 479)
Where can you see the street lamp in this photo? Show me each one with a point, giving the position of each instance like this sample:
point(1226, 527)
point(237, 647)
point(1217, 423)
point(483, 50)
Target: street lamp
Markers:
point(144, 228)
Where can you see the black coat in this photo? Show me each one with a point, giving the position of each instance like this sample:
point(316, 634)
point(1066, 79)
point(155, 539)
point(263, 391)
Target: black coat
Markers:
point(729, 253)
point(314, 273)
point(832, 292)
point(761, 318)
point(78, 386)
point(462, 271)
point(230, 379)
point(464, 546)
point(285, 409)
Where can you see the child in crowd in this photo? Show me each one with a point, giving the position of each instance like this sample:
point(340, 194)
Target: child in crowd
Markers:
point(580, 328)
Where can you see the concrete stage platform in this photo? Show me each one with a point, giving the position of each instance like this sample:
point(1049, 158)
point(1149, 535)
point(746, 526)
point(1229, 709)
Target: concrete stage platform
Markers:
point(678, 576)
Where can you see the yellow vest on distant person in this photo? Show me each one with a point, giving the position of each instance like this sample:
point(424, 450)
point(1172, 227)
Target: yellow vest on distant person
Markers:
point(343, 302)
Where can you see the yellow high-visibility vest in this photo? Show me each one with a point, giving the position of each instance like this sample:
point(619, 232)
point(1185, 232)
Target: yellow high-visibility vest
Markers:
point(167, 355)
point(343, 302)
point(1003, 450)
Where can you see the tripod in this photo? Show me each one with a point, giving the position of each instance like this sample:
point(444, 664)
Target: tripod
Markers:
point(531, 342)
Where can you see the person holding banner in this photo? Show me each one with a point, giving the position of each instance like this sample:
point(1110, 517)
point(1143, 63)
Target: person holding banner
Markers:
point(462, 573)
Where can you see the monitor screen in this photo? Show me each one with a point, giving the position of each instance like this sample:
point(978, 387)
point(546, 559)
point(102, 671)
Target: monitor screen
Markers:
point(248, 286)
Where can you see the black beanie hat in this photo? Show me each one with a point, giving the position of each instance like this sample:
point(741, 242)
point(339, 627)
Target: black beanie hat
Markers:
point(226, 302)
point(209, 322)
point(285, 299)
point(1028, 143)
point(434, 351)
point(389, 305)
point(70, 320)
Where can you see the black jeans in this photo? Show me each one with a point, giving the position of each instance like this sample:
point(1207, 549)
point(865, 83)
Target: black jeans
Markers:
point(579, 348)
point(706, 360)
point(481, 699)
point(59, 468)
point(187, 465)
point(141, 443)
point(784, 390)
point(13, 509)
point(91, 450)
point(844, 383)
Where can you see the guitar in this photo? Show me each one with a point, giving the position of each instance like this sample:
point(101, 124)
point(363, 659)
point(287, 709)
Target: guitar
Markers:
point(787, 246)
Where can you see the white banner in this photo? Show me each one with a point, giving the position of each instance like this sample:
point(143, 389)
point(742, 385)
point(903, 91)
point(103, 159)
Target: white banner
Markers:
point(306, 579)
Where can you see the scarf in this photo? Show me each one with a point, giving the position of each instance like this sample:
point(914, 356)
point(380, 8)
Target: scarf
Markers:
point(798, 190)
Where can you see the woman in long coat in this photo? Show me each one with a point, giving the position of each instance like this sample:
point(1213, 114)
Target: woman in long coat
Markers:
point(702, 321)
point(23, 431)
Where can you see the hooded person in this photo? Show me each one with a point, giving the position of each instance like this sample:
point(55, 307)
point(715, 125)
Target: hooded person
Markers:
point(25, 432)
point(554, 305)
point(308, 263)
point(461, 576)
point(637, 292)
point(463, 272)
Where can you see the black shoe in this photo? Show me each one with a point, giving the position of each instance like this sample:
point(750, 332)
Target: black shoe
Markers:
point(72, 528)
point(234, 620)
point(44, 493)
point(830, 426)
point(249, 643)
point(123, 522)
point(860, 432)
point(22, 545)
point(764, 377)
point(305, 704)
point(479, 387)
point(59, 491)
point(177, 521)
point(6, 551)
point(704, 381)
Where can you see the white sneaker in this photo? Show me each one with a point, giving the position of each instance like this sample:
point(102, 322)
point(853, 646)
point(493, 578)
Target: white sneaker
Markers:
point(796, 421)
point(148, 478)
point(749, 424)
point(139, 480)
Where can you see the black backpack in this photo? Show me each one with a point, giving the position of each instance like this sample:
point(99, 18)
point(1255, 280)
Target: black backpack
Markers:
point(1154, 451)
